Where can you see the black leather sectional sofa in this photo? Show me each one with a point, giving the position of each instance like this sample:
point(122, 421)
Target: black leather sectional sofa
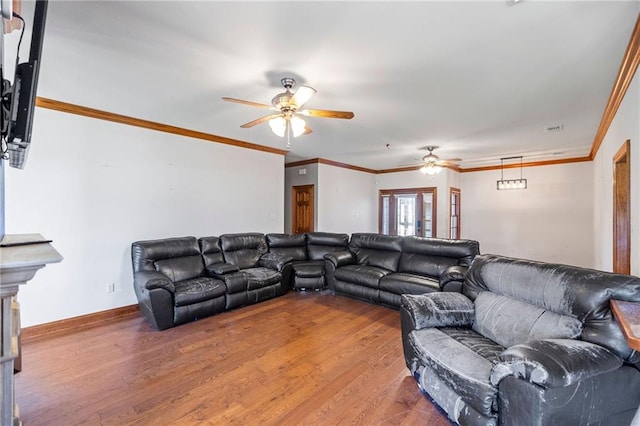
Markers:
point(177, 280)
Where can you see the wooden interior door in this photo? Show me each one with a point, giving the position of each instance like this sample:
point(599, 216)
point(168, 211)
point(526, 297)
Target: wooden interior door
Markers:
point(303, 209)
point(622, 210)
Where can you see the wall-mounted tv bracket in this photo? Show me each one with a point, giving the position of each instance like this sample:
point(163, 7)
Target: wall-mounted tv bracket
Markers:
point(5, 105)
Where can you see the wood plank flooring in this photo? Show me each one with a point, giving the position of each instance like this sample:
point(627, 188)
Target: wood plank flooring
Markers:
point(304, 358)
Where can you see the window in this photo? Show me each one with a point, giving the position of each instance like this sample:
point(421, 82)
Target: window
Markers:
point(408, 212)
point(454, 214)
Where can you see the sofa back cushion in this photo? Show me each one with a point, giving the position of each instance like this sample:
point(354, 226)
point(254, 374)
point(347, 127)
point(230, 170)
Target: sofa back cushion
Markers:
point(432, 256)
point(177, 258)
point(508, 321)
point(211, 250)
point(321, 243)
point(243, 250)
point(568, 291)
point(378, 250)
point(294, 246)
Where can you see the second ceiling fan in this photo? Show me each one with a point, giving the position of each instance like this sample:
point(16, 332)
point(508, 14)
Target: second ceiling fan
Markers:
point(286, 122)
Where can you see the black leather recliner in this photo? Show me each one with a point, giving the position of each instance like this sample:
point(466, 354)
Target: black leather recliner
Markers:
point(428, 264)
point(380, 268)
point(357, 272)
point(525, 343)
point(178, 280)
point(259, 275)
point(171, 282)
point(307, 252)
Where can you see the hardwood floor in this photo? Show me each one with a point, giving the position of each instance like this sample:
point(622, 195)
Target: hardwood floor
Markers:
point(304, 358)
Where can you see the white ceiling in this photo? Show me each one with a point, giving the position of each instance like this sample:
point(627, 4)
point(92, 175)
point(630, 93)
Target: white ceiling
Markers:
point(481, 80)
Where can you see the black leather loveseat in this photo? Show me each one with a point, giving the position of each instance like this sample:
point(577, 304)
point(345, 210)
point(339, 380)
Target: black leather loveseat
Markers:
point(525, 343)
point(380, 268)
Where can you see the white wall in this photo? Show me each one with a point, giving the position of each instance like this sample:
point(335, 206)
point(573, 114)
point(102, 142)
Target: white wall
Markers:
point(344, 199)
point(625, 126)
point(94, 187)
point(414, 179)
point(550, 221)
point(292, 177)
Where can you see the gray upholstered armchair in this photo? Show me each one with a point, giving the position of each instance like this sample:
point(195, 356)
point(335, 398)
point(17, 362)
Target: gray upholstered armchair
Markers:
point(525, 343)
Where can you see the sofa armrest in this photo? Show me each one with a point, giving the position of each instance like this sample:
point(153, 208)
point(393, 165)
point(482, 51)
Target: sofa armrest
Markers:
point(438, 310)
point(340, 258)
point(554, 363)
point(274, 261)
point(222, 268)
point(153, 279)
point(452, 278)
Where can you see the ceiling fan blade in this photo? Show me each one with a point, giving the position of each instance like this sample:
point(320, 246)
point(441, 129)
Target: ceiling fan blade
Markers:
point(307, 130)
point(302, 95)
point(327, 114)
point(453, 160)
point(240, 101)
point(259, 121)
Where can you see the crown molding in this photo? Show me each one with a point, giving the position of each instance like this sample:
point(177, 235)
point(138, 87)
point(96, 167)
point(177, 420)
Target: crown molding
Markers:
point(302, 163)
point(418, 167)
point(69, 108)
point(528, 164)
point(330, 163)
point(627, 70)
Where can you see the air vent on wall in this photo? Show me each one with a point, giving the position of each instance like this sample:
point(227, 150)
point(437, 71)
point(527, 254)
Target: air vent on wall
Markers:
point(554, 128)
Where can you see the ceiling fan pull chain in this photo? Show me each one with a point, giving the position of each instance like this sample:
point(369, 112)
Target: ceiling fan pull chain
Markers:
point(288, 130)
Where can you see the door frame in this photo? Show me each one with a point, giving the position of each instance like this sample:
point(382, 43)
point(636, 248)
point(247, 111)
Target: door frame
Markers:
point(312, 209)
point(452, 192)
point(622, 211)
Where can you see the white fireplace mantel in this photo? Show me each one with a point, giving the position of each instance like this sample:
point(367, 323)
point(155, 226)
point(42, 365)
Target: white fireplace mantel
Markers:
point(21, 256)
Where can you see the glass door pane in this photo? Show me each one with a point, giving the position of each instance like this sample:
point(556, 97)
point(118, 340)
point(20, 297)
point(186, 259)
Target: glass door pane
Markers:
point(428, 213)
point(385, 215)
point(408, 211)
point(406, 214)
point(454, 223)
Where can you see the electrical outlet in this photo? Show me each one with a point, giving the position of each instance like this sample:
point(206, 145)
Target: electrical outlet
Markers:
point(111, 287)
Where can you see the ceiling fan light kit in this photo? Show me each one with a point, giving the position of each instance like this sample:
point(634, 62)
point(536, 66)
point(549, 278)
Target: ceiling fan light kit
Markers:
point(280, 126)
point(286, 123)
point(430, 169)
point(432, 164)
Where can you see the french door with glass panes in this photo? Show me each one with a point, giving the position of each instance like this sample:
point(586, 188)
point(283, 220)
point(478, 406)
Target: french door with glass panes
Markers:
point(409, 211)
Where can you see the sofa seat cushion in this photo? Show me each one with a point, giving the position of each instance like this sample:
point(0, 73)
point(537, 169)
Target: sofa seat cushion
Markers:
point(197, 290)
point(309, 269)
point(463, 360)
point(368, 276)
point(261, 277)
point(403, 283)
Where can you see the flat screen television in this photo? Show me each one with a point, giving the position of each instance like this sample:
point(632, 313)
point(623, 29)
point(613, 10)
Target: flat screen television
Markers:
point(19, 98)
